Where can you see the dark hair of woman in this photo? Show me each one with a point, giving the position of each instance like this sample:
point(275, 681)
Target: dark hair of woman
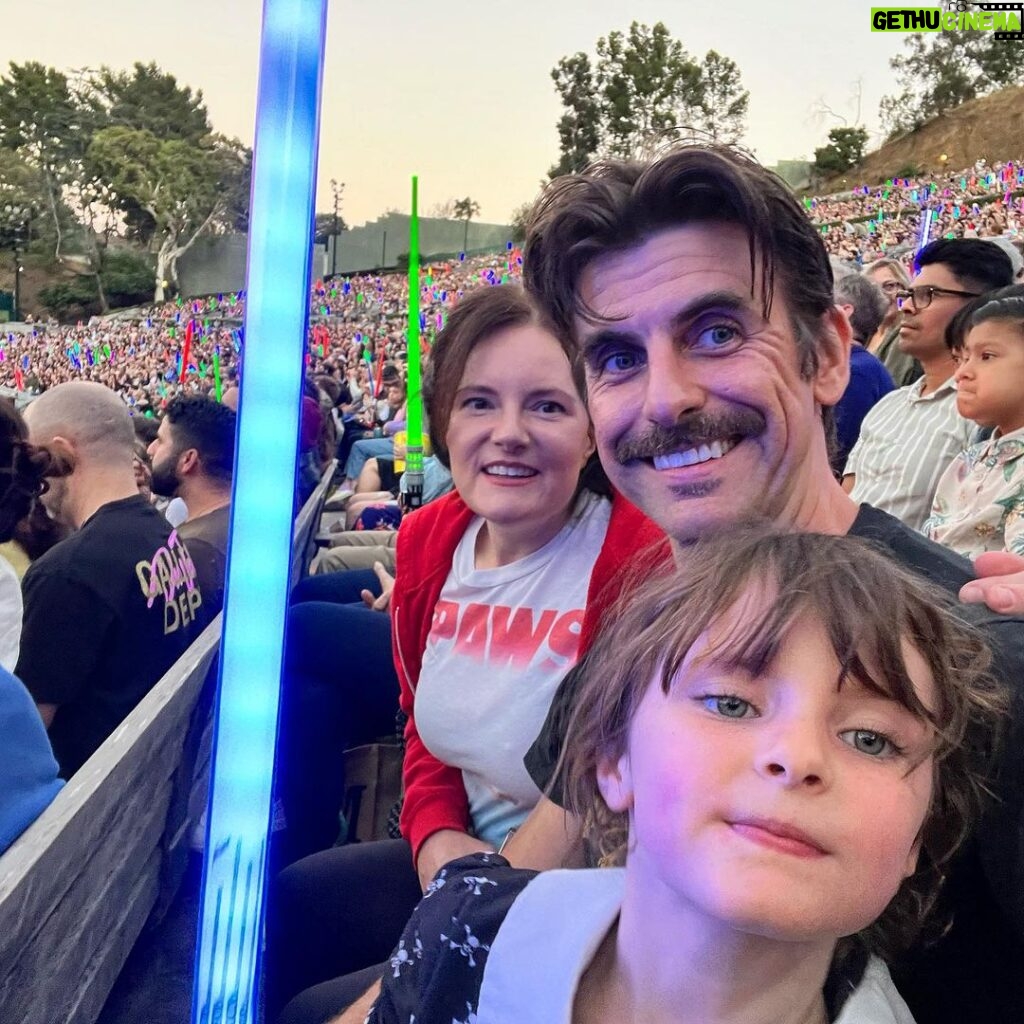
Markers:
point(23, 471)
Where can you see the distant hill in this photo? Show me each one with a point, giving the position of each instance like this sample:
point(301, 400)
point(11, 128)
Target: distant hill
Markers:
point(991, 127)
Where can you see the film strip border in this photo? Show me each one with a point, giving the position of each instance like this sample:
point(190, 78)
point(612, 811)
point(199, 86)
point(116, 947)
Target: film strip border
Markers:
point(1017, 8)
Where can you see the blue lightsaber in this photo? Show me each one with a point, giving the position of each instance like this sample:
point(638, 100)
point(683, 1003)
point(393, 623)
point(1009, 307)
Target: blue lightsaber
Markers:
point(277, 306)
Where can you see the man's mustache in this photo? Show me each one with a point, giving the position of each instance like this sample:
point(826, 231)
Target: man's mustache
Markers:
point(690, 431)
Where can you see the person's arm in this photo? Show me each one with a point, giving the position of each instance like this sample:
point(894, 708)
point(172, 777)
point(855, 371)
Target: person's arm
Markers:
point(848, 482)
point(46, 713)
point(549, 838)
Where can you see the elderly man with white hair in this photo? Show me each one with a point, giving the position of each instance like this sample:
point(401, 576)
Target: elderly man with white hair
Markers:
point(110, 608)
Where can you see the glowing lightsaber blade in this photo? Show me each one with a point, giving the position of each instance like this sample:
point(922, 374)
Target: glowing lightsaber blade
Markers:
point(277, 306)
point(414, 397)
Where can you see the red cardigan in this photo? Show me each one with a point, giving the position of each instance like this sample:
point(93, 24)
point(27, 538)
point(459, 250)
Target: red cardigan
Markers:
point(435, 797)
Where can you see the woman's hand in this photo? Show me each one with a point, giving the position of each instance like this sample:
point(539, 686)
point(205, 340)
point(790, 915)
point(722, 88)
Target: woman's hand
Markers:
point(387, 584)
point(1000, 583)
point(443, 847)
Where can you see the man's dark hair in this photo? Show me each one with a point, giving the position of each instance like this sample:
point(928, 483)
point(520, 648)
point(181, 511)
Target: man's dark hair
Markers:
point(615, 205)
point(209, 427)
point(977, 264)
point(868, 301)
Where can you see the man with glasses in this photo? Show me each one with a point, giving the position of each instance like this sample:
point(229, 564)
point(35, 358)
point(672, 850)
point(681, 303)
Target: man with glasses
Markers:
point(913, 433)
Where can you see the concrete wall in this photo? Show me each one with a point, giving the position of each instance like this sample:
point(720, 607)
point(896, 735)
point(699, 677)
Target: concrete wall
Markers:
point(217, 263)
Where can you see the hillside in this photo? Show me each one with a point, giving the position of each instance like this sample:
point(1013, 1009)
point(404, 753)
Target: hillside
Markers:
point(991, 127)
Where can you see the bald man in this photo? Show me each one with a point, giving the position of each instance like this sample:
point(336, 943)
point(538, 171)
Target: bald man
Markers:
point(112, 607)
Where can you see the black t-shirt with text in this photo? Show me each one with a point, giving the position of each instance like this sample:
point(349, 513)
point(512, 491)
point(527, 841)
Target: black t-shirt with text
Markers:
point(107, 612)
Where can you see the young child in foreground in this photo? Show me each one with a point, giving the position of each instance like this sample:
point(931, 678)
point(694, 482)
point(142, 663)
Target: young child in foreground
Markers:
point(979, 500)
point(781, 747)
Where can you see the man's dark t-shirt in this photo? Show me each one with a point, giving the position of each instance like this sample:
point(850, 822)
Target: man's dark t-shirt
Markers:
point(107, 612)
point(207, 540)
point(974, 972)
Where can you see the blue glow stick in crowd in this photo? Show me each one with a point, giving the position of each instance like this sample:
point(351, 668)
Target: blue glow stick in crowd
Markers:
point(277, 289)
point(926, 228)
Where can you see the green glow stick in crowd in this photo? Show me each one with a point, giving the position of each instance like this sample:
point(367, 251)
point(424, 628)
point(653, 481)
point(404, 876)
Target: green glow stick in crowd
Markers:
point(216, 372)
point(414, 401)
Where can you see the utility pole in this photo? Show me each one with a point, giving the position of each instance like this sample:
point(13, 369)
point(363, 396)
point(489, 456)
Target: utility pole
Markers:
point(337, 189)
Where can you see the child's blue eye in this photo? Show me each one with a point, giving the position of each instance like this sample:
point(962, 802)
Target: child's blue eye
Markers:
point(869, 742)
point(728, 706)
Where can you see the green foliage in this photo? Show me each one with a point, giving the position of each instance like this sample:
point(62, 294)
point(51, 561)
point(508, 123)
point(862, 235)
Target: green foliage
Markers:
point(845, 149)
point(324, 227)
point(723, 100)
point(148, 99)
point(402, 261)
point(642, 88)
point(127, 280)
point(121, 152)
point(66, 298)
point(940, 70)
point(466, 209)
point(518, 221)
point(909, 171)
point(579, 127)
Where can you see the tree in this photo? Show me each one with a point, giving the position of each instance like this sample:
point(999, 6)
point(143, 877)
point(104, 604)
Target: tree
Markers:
point(184, 188)
point(148, 99)
point(325, 226)
point(941, 70)
point(845, 149)
point(723, 100)
point(518, 221)
point(579, 127)
point(648, 88)
point(642, 88)
point(466, 209)
point(49, 125)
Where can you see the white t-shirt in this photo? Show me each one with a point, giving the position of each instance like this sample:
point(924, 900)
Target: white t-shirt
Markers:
point(10, 615)
point(500, 642)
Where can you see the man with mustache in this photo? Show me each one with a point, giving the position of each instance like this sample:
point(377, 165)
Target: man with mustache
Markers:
point(702, 301)
point(701, 298)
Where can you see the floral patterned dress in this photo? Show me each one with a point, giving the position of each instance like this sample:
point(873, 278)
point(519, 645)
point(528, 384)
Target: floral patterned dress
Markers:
point(979, 501)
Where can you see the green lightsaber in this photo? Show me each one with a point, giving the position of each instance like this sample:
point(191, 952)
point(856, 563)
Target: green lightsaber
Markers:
point(414, 400)
point(216, 372)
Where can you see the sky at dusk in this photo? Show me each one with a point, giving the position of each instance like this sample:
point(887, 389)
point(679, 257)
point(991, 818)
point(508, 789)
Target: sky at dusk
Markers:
point(460, 92)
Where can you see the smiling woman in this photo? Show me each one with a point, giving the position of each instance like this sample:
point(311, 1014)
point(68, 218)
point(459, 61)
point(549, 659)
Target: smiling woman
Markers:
point(497, 592)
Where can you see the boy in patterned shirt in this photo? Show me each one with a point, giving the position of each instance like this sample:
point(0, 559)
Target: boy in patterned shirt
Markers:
point(979, 500)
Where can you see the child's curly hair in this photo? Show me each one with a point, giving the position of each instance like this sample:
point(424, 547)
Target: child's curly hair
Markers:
point(867, 606)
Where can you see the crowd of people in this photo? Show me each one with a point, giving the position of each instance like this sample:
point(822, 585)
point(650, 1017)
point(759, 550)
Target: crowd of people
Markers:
point(872, 222)
point(707, 714)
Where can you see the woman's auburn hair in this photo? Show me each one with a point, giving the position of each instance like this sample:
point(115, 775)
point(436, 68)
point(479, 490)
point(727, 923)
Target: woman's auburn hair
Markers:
point(868, 607)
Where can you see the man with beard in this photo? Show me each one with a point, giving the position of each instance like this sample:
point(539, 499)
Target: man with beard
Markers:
point(193, 459)
point(109, 609)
